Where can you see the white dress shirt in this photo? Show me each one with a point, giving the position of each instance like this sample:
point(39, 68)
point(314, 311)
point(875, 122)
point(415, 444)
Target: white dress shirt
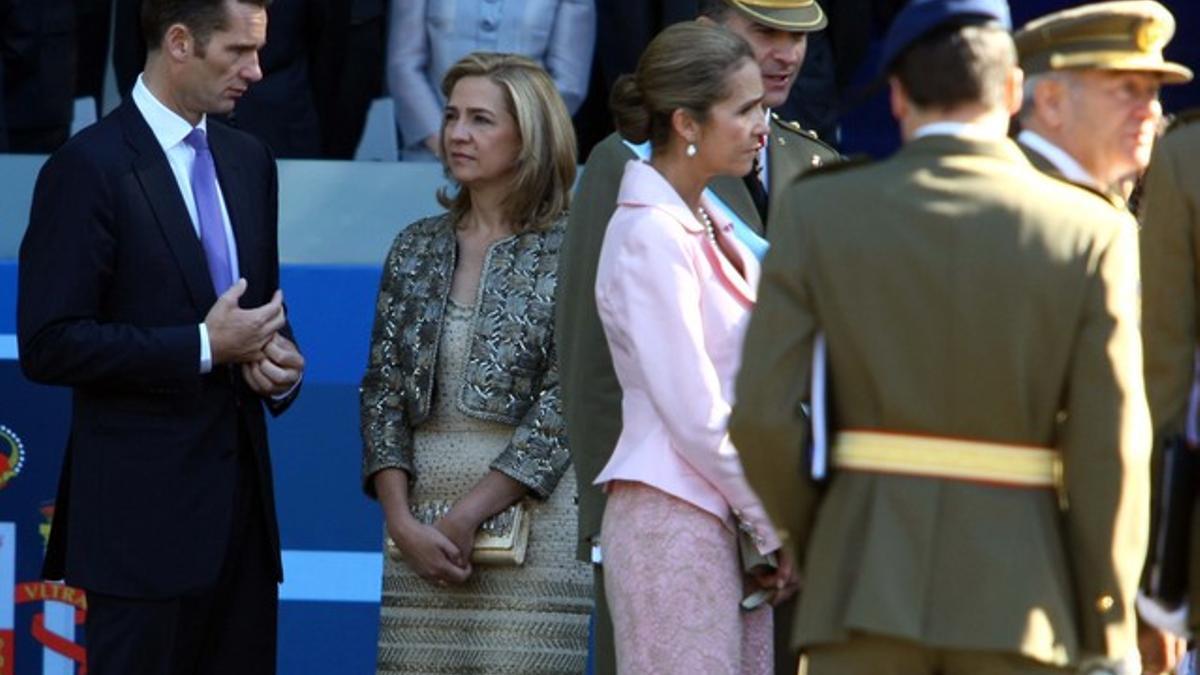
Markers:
point(1071, 169)
point(170, 130)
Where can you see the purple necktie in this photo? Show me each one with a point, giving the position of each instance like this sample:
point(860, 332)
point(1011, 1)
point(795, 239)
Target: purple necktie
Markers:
point(208, 212)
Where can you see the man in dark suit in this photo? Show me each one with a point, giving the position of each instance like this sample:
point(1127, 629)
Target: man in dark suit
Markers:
point(148, 283)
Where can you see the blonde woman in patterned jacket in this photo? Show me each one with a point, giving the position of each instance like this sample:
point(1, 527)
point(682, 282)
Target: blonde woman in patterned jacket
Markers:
point(460, 411)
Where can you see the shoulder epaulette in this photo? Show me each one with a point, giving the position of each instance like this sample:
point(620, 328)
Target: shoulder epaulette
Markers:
point(848, 162)
point(807, 134)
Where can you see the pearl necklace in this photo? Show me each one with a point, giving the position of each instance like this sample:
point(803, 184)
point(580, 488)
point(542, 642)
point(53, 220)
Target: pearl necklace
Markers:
point(708, 224)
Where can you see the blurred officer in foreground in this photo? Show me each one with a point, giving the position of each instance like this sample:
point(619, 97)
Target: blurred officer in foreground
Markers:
point(988, 503)
point(1091, 109)
point(1170, 319)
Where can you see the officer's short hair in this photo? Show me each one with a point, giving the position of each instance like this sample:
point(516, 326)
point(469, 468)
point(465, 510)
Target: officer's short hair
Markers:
point(1032, 82)
point(717, 10)
point(957, 65)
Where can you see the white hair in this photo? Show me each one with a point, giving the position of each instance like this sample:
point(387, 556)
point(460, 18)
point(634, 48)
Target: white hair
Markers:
point(1031, 85)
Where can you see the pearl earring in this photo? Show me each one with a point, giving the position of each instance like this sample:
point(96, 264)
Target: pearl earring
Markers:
point(691, 150)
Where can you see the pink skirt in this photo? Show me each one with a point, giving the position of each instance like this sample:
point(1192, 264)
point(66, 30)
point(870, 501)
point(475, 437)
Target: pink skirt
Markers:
point(674, 584)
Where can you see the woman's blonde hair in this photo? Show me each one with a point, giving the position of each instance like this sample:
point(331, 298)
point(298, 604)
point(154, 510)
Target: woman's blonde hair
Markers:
point(541, 189)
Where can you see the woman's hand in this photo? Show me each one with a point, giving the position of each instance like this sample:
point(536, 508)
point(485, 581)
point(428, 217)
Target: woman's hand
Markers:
point(460, 530)
point(784, 580)
point(429, 552)
point(491, 495)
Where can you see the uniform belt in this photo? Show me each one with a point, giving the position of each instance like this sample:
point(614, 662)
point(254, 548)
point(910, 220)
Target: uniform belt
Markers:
point(958, 459)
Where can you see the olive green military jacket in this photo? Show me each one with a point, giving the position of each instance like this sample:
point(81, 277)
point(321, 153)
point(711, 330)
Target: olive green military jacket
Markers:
point(591, 393)
point(1170, 249)
point(1043, 164)
point(955, 305)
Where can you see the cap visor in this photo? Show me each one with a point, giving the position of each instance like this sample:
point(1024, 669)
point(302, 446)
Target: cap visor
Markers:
point(797, 20)
point(1172, 73)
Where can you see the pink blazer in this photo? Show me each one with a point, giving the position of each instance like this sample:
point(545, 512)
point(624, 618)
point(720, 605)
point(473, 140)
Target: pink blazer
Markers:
point(675, 311)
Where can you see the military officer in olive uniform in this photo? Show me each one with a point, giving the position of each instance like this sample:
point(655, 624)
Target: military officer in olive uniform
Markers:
point(1091, 110)
point(987, 510)
point(776, 31)
point(1090, 116)
point(1170, 316)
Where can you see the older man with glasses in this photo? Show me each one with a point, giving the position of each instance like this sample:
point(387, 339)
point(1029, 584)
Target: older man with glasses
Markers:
point(1091, 110)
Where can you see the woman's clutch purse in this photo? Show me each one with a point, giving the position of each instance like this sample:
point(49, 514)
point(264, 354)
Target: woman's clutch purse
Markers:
point(501, 540)
point(754, 562)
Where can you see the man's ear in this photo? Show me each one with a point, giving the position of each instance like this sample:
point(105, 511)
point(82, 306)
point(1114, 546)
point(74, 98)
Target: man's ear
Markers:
point(898, 99)
point(178, 42)
point(1014, 90)
point(1050, 101)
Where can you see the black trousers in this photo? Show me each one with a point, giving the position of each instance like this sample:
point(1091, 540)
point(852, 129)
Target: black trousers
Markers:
point(226, 630)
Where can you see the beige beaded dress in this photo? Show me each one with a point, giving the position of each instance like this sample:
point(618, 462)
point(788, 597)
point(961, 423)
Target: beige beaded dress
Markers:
point(521, 620)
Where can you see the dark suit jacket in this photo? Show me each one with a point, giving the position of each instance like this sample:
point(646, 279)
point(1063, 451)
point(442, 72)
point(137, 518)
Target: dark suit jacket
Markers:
point(37, 43)
point(5, 9)
point(112, 285)
point(306, 44)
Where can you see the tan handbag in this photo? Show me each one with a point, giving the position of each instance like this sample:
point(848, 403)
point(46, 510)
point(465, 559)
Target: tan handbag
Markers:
point(501, 540)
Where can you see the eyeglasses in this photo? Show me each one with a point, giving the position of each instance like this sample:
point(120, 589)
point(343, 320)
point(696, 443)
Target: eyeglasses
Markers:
point(1125, 90)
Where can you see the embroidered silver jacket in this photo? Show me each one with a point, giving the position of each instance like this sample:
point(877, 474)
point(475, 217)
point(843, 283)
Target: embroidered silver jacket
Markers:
point(511, 373)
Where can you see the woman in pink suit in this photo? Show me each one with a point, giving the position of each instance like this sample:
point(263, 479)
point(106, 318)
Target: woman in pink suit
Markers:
point(674, 290)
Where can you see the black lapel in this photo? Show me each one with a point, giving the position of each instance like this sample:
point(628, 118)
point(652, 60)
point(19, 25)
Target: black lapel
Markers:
point(162, 194)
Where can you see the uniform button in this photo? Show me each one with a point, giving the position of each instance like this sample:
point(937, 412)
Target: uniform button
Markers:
point(1104, 603)
point(489, 24)
point(1061, 416)
point(816, 161)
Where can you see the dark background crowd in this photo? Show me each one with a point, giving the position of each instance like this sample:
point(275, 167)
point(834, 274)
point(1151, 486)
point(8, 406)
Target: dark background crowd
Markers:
point(325, 63)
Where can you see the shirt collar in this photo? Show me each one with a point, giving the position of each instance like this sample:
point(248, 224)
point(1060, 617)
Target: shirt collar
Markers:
point(1061, 159)
point(963, 130)
point(168, 127)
